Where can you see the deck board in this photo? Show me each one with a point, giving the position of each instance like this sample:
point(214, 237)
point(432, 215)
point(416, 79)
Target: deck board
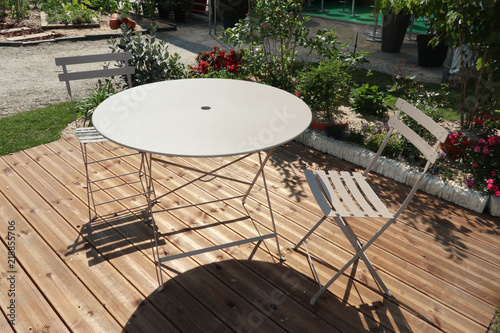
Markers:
point(440, 261)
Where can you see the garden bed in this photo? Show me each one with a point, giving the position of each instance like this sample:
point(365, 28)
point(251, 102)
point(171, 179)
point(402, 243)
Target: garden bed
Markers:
point(403, 173)
point(35, 24)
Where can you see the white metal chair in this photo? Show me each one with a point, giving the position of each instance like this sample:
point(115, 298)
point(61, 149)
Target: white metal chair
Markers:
point(349, 195)
point(89, 135)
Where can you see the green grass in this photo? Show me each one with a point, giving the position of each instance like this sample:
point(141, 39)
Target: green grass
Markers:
point(32, 128)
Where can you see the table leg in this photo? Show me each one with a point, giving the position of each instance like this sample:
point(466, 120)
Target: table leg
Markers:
point(149, 194)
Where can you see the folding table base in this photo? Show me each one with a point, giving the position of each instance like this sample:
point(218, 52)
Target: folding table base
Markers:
point(148, 159)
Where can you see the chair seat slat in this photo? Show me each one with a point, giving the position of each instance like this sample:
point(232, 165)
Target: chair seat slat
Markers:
point(381, 209)
point(343, 194)
point(351, 183)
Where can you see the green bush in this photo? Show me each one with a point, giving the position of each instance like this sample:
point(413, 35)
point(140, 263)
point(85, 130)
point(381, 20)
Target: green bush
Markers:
point(369, 100)
point(18, 9)
point(151, 59)
point(273, 38)
point(392, 149)
point(325, 87)
point(86, 106)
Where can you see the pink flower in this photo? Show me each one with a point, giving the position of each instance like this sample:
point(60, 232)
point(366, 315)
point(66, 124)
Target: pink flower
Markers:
point(486, 151)
point(497, 193)
point(493, 173)
point(477, 149)
point(481, 141)
point(489, 181)
point(489, 186)
point(475, 165)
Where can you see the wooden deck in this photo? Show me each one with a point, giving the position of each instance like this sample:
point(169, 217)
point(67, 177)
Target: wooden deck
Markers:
point(441, 262)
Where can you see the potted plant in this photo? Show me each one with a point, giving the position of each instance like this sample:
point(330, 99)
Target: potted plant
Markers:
point(231, 11)
point(395, 23)
point(431, 54)
point(179, 8)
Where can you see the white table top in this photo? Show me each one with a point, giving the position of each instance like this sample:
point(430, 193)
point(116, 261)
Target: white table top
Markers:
point(202, 117)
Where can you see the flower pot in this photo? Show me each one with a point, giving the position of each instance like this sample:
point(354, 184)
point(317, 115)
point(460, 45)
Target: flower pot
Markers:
point(114, 21)
point(429, 56)
point(163, 11)
point(129, 22)
point(394, 31)
point(318, 126)
point(179, 15)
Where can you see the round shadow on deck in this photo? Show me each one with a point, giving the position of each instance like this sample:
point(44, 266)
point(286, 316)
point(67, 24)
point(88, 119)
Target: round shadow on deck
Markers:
point(247, 296)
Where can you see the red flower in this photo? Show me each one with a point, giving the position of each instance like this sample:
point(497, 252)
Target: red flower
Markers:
point(493, 173)
point(475, 165)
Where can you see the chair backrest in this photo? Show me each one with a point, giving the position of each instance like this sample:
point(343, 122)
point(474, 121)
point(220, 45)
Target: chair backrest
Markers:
point(67, 77)
point(429, 149)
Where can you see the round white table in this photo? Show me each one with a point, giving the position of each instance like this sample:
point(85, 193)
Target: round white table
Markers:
point(202, 118)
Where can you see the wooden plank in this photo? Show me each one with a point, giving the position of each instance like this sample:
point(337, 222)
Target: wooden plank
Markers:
point(72, 301)
point(29, 310)
point(131, 263)
point(113, 291)
point(25, 37)
point(225, 285)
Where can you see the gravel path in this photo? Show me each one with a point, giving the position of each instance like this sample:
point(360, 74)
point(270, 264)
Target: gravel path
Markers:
point(28, 74)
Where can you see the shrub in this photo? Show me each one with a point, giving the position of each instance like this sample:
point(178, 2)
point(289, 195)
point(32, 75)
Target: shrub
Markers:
point(369, 100)
point(218, 62)
point(273, 37)
point(392, 150)
point(325, 87)
point(151, 59)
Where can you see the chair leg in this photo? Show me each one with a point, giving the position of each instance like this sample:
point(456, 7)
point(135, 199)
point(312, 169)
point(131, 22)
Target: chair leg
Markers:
point(295, 247)
point(90, 194)
point(358, 254)
point(357, 244)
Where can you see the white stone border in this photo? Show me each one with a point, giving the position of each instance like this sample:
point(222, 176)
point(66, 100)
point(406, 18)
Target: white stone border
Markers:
point(402, 173)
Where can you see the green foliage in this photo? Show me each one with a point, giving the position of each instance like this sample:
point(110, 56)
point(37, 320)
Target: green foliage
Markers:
point(392, 150)
point(369, 100)
point(151, 59)
point(18, 9)
point(66, 13)
point(273, 31)
point(109, 6)
point(472, 27)
point(85, 107)
point(32, 128)
point(325, 87)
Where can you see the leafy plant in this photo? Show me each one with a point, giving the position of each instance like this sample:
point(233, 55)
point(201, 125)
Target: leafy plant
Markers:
point(18, 9)
point(474, 29)
point(325, 87)
point(74, 12)
point(85, 107)
point(151, 59)
point(273, 36)
point(369, 100)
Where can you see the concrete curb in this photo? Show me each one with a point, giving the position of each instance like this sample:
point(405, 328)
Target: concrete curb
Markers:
point(402, 173)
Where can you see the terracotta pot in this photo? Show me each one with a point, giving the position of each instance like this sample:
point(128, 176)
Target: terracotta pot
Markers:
point(129, 22)
point(317, 125)
point(114, 21)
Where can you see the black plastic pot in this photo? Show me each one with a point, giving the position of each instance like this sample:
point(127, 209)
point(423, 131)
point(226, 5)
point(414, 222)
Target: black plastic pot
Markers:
point(393, 31)
point(429, 56)
point(179, 15)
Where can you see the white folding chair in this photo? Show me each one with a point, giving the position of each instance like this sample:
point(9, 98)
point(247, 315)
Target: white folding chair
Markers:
point(346, 194)
point(86, 134)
